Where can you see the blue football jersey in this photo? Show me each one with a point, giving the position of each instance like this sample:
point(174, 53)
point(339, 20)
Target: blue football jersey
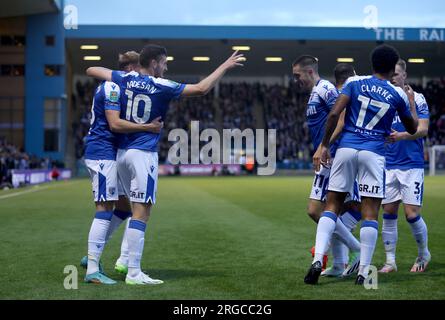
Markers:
point(370, 112)
point(322, 99)
point(144, 98)
point(407, 154)
point(100, 143)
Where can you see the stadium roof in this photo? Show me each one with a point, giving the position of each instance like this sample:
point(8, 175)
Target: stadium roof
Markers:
point(27, 7)
point(219, 49)
point(117, 26)
point(255, 32)
point(291, 13)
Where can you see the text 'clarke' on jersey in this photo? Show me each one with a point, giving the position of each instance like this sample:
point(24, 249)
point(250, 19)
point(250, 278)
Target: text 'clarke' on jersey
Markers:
point(370, 112)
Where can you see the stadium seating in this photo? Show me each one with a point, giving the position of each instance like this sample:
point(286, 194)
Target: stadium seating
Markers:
point(12, 158)
point(282, 107)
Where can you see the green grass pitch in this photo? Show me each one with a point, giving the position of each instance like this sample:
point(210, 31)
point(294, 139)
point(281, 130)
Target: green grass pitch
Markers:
point(208, 238)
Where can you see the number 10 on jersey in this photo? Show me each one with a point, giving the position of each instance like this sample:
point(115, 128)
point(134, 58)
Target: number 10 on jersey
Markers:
point(133, 104)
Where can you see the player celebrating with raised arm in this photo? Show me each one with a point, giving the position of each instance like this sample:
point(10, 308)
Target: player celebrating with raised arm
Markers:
point(100, 159)
point(322, 98)
point(371, 103)
point(147, 96)
point(404, 181)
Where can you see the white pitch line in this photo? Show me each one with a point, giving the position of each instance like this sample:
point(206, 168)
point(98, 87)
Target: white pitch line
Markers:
point(34, 189)
point(22, 192)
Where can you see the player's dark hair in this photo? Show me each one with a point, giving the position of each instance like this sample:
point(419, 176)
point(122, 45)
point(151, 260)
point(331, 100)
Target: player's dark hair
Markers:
point(402, 64)
point(151, 52)
point(129, 58)
point(384, 59)
point(306, 61)
point(343, 71)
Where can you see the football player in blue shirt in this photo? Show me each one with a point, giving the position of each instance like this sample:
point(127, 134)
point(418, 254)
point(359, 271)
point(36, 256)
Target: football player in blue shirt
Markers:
point(342, 265)
point(322, 99)
point(371, 103)
point(404, 181)
point(100, 159)
point(146, 96)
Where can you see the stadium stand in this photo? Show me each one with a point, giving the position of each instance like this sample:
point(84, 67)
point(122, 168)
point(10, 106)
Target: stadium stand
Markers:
point(282, 106)
point(12, 158)
point(434, 93)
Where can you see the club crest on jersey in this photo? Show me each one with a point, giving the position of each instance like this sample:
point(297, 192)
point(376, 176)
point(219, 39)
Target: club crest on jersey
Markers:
point(331, 94)
point(152, 168)
point(111, 191)
point(101, 165)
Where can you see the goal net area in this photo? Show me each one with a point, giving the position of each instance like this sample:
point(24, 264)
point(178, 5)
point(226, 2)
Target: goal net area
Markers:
point(437, 160)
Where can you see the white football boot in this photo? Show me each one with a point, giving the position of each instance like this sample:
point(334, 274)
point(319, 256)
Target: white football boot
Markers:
point(143, 279)
point(388, 267)
point(334, 271)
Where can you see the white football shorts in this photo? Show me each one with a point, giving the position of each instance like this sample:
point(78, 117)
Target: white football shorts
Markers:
point(405, 185)
point(104, 179)
point(320, 184)
point(320, 187)
point(138, 174)
point(365, 166)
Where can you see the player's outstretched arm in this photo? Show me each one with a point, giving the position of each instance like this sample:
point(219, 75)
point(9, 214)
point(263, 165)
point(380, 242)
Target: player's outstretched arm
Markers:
point(119, 125)
point(205, 85)
point(99, 73)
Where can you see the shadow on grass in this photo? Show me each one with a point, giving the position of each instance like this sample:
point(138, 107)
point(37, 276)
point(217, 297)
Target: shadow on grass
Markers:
point(331, 280)
point(169, 274)
point(431, 273)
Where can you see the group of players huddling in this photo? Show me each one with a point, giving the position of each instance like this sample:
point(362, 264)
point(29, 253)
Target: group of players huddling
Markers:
point(128, 111)
point(361, 120)
point(368, 134)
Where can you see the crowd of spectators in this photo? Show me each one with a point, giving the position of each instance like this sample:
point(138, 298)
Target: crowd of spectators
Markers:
point(283, 107)
point(180, 115)
point(285, 111)
point(82, 102)
point(434, 93)
point(236, 104)
point(12, 158)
